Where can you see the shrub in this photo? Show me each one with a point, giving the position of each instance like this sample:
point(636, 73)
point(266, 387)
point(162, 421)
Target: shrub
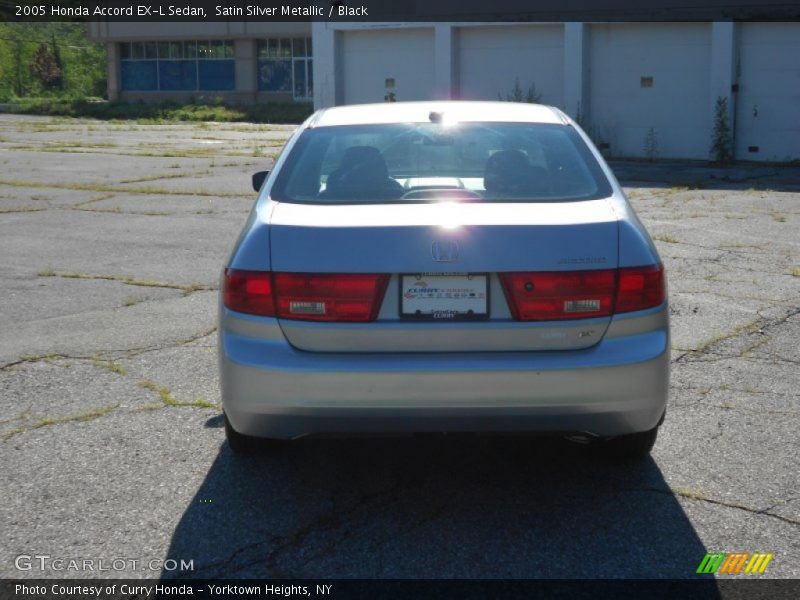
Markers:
point(273, 112)
point(721, 137)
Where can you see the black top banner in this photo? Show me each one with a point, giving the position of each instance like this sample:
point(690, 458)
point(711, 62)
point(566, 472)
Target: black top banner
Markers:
point(398, 10)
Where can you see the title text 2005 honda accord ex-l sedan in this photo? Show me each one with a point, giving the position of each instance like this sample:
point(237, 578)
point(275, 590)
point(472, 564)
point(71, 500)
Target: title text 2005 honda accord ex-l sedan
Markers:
point(443, 267)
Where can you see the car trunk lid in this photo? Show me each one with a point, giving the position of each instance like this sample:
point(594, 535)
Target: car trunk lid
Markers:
point(453, 239)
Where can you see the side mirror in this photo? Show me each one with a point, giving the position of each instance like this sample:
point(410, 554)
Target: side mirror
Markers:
point(258, 179)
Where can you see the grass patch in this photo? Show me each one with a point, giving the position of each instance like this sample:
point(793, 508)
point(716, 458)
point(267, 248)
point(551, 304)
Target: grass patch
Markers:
point(49, 421)
point(200, 403)
point(98, 187)
point(21, 417)
point(60, 146)
point(794, 271)
point(738, 246)
point(30, 358)
point(22, 209)
point(676, 189)
point(778, 217)
point(157, 177)
point(50, 359)
point(165, 112)
point(110, 365)
point(185, 288)
point(133, 301)
point(690, 494)
point(164, 393)
point(95, 199)
point(669, 239)
point(746, 328)
point(150, 406)
point(167, 399)
point(115, 209)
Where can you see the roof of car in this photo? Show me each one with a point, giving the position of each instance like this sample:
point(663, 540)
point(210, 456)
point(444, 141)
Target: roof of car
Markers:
point(420, 112)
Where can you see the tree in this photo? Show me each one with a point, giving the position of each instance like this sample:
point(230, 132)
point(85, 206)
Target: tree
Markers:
point(19, 80)
point(517, 95)
point(651, 144)
point(532, 97)
point(81, 60)
point(721, 137)
point(44, 68)
point(57, 59)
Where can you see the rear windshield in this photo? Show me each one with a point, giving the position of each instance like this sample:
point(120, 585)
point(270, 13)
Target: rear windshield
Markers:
point(425, 162)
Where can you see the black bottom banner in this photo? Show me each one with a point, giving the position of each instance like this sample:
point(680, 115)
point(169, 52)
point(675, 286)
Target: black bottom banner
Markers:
point(618, 589)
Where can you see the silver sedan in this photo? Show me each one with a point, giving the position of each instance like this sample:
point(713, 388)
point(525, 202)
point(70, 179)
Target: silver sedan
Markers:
point(443, 267)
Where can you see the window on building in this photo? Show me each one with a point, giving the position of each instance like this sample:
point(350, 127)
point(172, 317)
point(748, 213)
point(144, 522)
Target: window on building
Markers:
point(195, 65)
point(285, 65)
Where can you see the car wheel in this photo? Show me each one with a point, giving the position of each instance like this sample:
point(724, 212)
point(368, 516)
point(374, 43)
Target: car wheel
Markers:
point(634, 446)
point(248, 444)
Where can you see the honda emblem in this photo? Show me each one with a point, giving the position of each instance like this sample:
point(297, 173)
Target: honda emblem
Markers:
point(445, 251)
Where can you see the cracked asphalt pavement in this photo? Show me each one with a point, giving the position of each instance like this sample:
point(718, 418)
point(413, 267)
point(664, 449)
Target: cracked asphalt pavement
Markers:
point(112, 237)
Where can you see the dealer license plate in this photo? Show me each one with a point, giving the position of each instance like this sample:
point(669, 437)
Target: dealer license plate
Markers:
point(457, 296)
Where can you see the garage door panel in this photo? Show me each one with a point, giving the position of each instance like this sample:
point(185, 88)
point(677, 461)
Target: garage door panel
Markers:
point(677, 56)
point(677, 59)
point(768, 102)
point(771, 84)
point(369, 58)
point(491, 59)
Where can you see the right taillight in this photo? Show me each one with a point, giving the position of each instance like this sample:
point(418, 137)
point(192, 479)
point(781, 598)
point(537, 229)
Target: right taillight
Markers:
point(562, 295)
point(559, 295)
point(639, 288)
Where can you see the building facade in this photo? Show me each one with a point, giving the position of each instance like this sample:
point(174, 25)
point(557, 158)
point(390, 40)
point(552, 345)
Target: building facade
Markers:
point(239, 62)
point(641, 89)
point(638, 87)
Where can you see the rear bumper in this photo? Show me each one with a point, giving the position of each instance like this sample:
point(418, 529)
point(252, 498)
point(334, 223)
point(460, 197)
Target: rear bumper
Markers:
point(270, 389)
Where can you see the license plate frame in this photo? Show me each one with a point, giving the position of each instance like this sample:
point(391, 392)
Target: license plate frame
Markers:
point(459, 309)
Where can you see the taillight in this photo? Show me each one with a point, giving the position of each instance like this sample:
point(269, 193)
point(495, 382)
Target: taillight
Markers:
point(558, 295)
point(329, 297)
point(313, 297)
point(248, 292)
point(639, 288)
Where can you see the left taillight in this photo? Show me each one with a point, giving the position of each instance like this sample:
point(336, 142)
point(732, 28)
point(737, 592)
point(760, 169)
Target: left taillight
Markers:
point(248, 292)
point(329, 297)
point(305, 296)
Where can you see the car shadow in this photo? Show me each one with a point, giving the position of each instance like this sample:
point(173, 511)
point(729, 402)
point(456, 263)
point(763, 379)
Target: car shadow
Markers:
point(434, 507)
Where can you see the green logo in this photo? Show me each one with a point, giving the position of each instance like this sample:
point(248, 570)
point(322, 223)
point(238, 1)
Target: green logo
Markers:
point(732, 562)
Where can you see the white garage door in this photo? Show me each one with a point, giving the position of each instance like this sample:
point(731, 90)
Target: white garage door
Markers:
point(491, 59)
point(653, 75)
point(768, 103)
point(369, 58)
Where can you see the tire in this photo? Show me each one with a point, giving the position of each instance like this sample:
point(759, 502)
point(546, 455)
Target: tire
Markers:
point(248, 445)
point(631, 447)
